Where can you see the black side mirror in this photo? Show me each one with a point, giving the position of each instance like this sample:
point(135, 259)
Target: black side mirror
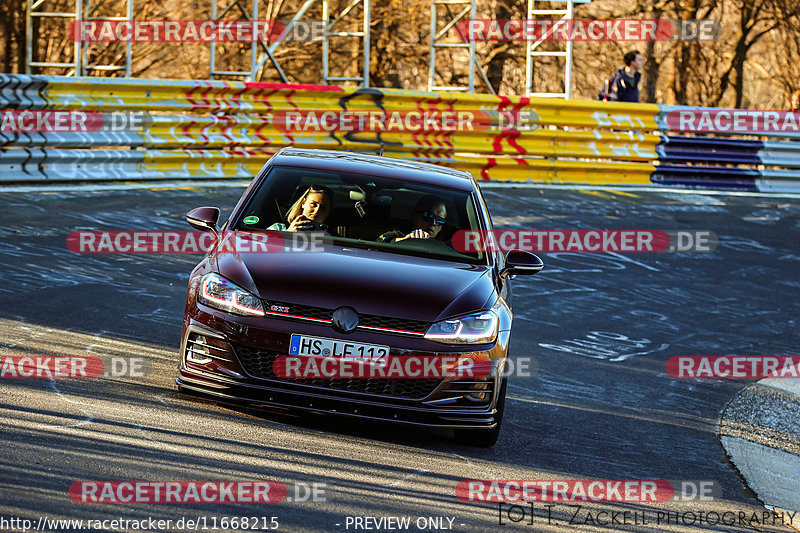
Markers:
point(204, 218)
point(519, 262)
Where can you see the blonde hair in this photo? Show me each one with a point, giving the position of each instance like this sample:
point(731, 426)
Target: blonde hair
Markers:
point(791, 100)
point(297, 208)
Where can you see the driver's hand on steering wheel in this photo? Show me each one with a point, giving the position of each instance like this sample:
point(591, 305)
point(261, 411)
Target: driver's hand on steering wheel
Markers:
point(416, 234)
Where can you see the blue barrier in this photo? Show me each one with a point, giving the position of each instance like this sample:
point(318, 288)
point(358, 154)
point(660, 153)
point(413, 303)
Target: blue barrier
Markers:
point(707, 177)
point(674, 149)
point(728, 163)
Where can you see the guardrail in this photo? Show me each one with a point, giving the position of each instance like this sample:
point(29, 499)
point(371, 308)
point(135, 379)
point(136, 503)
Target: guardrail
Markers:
point(209, 129)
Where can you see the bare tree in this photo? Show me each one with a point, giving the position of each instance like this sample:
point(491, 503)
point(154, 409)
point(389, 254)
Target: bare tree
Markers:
point(752, 63)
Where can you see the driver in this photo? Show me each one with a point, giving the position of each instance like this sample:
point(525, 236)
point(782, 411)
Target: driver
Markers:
point(309, 212)
point(430, 215)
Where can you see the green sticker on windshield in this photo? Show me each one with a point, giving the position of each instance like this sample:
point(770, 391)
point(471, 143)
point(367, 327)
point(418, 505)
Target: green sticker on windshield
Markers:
point(250, 220)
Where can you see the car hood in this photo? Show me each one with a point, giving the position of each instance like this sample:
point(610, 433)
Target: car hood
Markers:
point(371, 282)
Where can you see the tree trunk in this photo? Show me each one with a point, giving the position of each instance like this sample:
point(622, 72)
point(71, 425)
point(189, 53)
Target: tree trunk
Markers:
point(494, 69)
point(652, 68)
point(383, 36)
point(739, 85)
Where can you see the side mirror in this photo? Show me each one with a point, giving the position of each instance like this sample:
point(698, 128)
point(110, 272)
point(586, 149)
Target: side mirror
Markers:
point(519, 262)
point(204, 218)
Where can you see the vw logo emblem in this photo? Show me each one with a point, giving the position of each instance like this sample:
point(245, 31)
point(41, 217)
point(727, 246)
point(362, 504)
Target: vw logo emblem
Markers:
point(345, 320)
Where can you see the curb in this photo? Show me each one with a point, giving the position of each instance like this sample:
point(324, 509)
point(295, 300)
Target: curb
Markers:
point(760, 431)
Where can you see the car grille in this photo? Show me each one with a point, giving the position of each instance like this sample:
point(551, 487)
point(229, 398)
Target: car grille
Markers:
point(258, 363)
point(373, 321)
point(376, 321)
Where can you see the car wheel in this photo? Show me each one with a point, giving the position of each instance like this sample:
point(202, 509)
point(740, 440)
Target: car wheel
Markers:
point(485, 438)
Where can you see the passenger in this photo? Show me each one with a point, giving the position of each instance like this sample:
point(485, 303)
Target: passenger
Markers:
point(429, 217)
point(309, 212)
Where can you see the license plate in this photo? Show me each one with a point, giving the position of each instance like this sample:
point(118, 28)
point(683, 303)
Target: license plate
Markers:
point(322, 347)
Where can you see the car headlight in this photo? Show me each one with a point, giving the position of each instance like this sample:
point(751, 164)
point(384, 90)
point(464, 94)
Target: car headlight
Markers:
point(216, 291)
point(475, 328)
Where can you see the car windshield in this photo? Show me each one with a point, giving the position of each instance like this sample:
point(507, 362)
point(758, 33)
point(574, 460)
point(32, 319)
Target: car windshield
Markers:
point(387, 214)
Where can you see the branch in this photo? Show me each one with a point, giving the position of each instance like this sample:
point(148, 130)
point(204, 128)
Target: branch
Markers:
point(503, 48)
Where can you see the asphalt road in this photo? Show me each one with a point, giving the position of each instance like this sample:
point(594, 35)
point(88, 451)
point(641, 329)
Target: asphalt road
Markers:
point(601, 406)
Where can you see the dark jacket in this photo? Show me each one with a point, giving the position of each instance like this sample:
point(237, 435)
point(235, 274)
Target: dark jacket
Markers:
point(624, 88)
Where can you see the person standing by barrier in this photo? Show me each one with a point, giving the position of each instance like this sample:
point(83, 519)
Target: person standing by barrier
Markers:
point(623, 86)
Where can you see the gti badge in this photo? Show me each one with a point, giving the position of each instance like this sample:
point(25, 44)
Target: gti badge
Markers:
point(279, 308)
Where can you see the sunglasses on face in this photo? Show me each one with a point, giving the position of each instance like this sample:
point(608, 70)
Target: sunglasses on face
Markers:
point(430, 217)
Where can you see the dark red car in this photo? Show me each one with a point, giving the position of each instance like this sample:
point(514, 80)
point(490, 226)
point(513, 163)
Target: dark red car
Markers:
point(333, 259)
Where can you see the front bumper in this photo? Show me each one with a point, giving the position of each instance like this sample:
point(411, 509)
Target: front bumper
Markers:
point(227, 376)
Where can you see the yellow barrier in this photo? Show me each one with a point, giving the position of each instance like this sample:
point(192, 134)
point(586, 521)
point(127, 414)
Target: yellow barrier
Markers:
point(254, 131)
point(228, 129)
point(237, 97)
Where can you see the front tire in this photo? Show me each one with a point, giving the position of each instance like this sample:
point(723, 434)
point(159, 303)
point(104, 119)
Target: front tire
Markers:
point(485, 438)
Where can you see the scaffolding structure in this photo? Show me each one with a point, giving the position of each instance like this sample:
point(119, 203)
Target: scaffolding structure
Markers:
point(36, 10)
point(443, 20)
point(260, 52)
point(532, 47)
point(363, 35)
point(250, 15)
point(88, 15)
point(439, 40)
